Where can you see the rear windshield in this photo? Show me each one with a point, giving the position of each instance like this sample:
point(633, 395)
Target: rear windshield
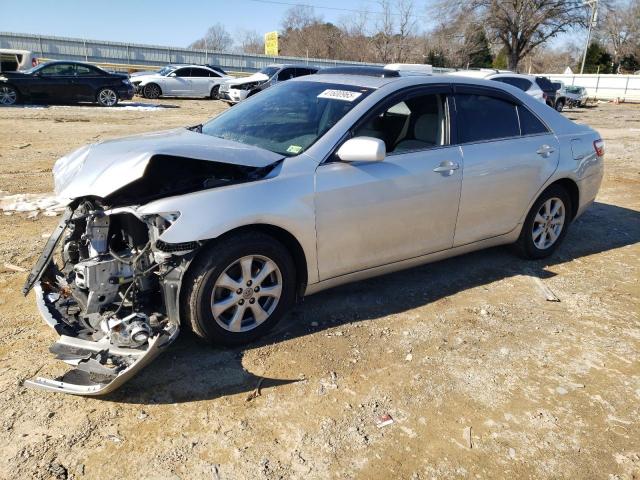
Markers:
point(288, 118)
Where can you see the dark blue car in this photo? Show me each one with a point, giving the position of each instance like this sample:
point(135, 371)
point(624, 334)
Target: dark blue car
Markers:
point(65, 82)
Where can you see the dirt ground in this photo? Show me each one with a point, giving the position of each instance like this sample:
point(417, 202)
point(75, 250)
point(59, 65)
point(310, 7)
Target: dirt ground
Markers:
point(483, 377)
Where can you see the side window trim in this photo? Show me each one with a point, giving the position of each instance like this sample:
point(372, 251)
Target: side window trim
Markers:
point(388, 102)
point(489, 92)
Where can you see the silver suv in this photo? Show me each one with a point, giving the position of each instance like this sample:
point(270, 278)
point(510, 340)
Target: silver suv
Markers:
point(318, 181)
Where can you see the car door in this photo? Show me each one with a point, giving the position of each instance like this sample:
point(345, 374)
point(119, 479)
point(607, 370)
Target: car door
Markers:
point(508, 155)
point(201, 82)
point(86, 82)
point(53, 83)
point(374, 213)
point(178, 83)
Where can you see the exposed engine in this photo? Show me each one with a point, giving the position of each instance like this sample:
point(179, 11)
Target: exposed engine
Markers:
point(112, 294)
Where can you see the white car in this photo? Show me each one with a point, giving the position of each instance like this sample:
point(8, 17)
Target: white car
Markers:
point(526, 83)
point(238, 89)
point(180, 81)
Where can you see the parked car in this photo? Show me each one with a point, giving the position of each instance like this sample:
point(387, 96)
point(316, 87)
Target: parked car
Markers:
point(576, 96)
point(234, 91)
point(560, 96)
point(14, 60)
point(319, 181)
point(526, 83)
point(65, 82)
point(180, 81)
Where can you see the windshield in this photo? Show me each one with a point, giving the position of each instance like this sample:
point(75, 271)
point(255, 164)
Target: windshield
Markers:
point(288, 118)
point(269, 71)
point(573, 89)
point(166, 71)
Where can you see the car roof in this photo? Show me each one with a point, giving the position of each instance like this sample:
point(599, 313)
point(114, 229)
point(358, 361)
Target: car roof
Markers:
point(366, 81)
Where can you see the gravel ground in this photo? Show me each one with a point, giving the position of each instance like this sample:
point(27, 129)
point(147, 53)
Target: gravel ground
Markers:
point(482, 376)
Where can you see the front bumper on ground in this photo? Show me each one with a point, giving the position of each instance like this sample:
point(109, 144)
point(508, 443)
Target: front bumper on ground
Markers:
point(100, 367)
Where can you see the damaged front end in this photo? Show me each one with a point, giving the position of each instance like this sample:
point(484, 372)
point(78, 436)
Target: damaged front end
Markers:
point(109, 287)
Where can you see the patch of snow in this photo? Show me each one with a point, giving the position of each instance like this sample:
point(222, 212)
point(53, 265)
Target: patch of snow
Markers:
point(32, 203)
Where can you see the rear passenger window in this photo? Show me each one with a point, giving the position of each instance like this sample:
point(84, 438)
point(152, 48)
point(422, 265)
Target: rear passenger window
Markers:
point(529, 123)
point(522, 83)
point(481, 117)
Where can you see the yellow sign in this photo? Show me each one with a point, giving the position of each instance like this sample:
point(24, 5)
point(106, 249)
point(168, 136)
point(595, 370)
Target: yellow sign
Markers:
point(271, 43)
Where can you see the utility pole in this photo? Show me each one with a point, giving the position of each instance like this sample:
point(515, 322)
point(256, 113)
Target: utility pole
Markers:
point(593, 18)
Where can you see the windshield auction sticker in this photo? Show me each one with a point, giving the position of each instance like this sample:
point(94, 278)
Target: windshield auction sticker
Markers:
point(345, 95)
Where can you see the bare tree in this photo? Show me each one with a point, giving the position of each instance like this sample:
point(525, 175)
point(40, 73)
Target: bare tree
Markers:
point(249, 41)
point(406, 29)
point(521, 25)
point(621, 28)
point(216, 39)
point(383, 38)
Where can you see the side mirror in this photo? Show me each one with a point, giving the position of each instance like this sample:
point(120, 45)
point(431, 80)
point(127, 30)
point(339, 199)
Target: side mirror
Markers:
point(362, 149)
point(172, 74)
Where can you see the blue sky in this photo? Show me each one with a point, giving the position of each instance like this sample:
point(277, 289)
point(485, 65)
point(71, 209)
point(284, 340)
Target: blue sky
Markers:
point(163, 22)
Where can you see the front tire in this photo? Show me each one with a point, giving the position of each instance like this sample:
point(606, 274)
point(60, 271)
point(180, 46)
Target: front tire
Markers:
point(8, 95)
point(107, 97)
point(559, 106)
point(239, 288)
point(546, 224)
point(151, 91)
point(214, 92)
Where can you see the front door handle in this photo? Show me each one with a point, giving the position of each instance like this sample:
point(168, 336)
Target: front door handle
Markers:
point(545, 151)
point(446, 167)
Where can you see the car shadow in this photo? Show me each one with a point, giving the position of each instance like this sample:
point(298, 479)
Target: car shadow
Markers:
point(191, 371)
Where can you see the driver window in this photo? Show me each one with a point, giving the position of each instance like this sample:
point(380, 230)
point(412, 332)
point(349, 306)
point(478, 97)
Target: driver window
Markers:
point(183, 72)
point(285, 74)
point(417, 123)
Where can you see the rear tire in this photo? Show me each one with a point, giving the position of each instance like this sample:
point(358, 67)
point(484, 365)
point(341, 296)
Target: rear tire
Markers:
point(151, 91)
point(8, 95)
point(107, 97)
point(238, 289)
point(546, 224)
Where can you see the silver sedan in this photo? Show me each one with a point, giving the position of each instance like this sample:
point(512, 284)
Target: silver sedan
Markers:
point(319, 181)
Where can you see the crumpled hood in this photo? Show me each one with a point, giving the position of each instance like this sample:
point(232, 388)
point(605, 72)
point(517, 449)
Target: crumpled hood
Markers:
point(256, 77)
point(102, 168)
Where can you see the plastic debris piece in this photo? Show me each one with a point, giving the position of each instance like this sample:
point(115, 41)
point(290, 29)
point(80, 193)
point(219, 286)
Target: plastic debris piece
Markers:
point(384, 420)
point(15, 268)
point(466, 435)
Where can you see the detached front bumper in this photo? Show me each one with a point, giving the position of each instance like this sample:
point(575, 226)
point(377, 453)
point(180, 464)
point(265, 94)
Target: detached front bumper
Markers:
point(100, 368)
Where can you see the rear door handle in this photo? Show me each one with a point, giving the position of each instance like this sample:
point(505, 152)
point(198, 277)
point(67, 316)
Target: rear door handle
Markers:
point(446, 167)
point(545, 151)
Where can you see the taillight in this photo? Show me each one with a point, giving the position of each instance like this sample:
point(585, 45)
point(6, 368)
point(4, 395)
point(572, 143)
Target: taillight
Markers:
point(598, 146)
point(34, 62)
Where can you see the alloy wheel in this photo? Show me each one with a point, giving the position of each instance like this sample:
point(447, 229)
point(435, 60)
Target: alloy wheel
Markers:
point(152, 91)
point(548, 223)
point(8, 96)
point(246, 293)
point(107, 97)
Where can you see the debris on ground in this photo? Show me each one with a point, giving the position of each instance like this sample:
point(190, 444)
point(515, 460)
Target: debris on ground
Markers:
point(31, 203)
point(466, 435)
point(256, 391)
point(384, 420)
point(15, 268)
point(546, 291)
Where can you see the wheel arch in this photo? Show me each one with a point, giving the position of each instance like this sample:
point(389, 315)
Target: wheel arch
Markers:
point(571, 187)
point(285, 237)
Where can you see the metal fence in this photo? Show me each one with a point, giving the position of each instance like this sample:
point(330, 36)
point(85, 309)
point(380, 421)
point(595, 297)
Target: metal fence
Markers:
point(59, 48)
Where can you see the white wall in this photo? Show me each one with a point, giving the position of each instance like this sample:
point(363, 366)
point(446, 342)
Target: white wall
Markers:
point(606, 87)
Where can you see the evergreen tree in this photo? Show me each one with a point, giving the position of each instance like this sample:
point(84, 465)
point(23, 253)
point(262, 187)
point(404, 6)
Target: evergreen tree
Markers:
point(597, 60)
point(476, 49)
